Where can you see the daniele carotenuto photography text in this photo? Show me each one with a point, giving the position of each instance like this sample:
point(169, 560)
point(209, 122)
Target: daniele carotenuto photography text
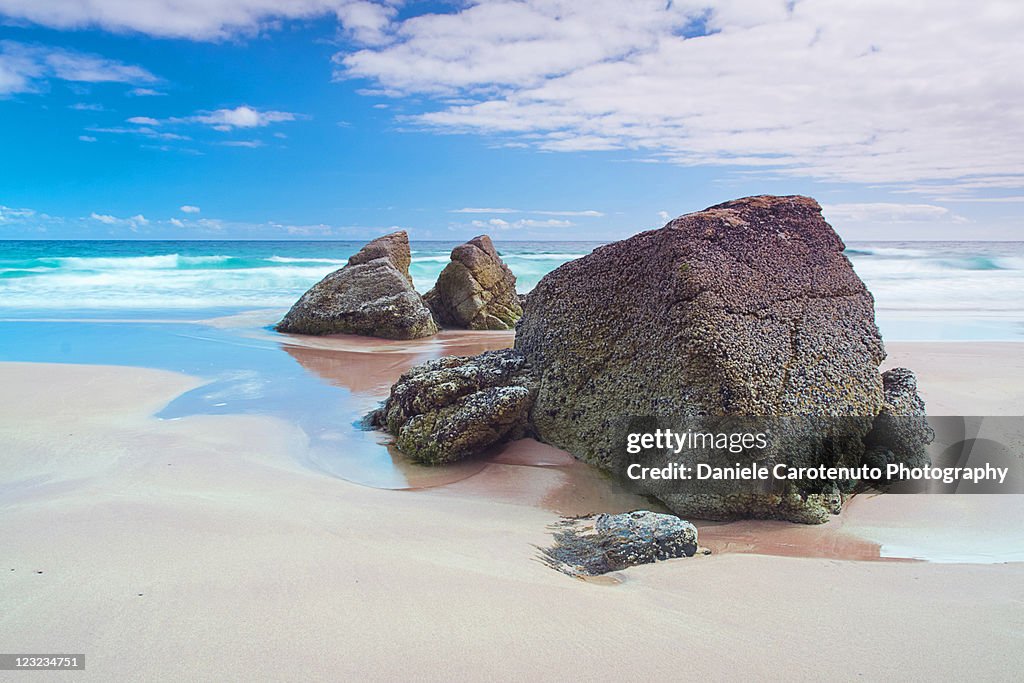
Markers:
point(487, 340)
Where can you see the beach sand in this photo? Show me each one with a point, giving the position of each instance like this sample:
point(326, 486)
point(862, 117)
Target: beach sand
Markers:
point(201, 548)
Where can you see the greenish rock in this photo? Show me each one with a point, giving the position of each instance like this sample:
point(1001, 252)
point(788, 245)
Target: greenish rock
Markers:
point(476, 290)
point(372, 295)
point(456, 406)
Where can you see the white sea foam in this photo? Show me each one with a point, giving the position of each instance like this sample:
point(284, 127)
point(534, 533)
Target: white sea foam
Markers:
point(964, 279)
point(289, 259)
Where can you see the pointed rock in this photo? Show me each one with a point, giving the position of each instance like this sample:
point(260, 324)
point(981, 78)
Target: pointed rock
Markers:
point(394, 247)
point(372, 296)
point(476, 290)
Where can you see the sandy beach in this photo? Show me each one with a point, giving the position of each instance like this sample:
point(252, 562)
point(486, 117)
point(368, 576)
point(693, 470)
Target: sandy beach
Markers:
point(201, 548)
point(511, 340)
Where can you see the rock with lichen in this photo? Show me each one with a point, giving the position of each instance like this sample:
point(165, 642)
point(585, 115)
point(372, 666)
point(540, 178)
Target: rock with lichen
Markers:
point(748, 310)
point(456, 406)
point(476, 290)
point(590, 546)
point(372, 295)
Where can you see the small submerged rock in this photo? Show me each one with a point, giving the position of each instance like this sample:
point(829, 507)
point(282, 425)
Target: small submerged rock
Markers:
point(590, 546)
point(372, 295)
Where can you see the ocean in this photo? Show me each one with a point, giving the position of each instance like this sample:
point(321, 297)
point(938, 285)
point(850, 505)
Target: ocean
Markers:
point(923, 290)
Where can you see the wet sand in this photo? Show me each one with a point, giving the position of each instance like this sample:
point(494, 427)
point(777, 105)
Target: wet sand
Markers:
point(531, 473)
point(202, 548)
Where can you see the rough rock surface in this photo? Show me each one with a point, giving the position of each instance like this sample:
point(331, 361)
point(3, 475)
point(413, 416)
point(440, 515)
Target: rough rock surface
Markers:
point(748, 309)
point(745, 308)
point(476, 290)
point(394, 247)
point(372, 295)
point(452, 407)
point(900, 431)
point(589, 546)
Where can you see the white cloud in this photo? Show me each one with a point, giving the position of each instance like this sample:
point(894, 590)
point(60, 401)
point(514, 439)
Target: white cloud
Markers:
point(188, 208)
point(497, 223)
point(366, 22)
point(9, 213)
point(144, 131)
point(1012, 199)
point(224, 120)
point(240, 117)
point(547, 223)
point(26, 68)
point(176, 223)
point(251, 144)
point(502, 224)
point(869, 91)
point(133, 223)
point(201, 19)
point(104, 218)
point(472, 209)
point(590, 213)
point(86, 138)
point(145, 92)
point(665, 216)
point(27, 221)
point(886, 212)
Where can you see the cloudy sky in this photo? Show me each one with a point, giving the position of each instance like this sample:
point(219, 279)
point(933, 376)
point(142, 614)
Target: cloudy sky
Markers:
point(526, 119)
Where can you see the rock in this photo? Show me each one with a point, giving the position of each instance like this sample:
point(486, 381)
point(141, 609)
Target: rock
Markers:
point(900, 432)
point(746, 313)
point(746, 308)
point(372, 295)
point(452, 407)
point(476, 290)
point(589, 546)
point(394, 247)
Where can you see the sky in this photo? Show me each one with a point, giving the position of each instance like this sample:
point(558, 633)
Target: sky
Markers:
point(522, 119)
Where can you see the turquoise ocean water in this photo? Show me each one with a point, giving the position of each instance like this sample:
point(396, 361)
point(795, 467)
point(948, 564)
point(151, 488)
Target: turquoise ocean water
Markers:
point(207, 309)
point(923, 290)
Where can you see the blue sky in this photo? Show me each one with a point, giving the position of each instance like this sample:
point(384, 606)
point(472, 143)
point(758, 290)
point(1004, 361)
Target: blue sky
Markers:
point(525, 119)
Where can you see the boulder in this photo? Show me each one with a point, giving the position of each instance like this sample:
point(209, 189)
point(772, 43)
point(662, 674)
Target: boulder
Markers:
point(394, 247)
point(746, 308)
point(590, 546)
point(744, 315)
point(476, 290)
point(372, 295)
point(452, 407)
